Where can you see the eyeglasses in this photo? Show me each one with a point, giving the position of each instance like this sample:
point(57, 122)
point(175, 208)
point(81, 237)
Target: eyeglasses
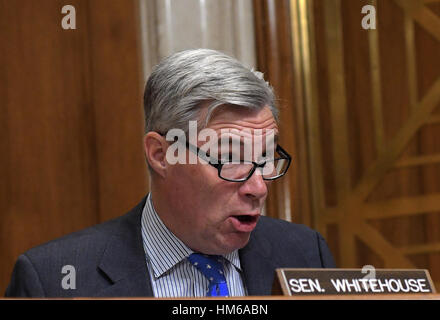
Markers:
point(241, 170)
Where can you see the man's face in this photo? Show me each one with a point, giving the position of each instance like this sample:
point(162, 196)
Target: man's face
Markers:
point(211, 215)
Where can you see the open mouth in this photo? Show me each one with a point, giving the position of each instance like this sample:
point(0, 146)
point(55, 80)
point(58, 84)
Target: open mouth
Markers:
point(246, 218)
point(244, 222)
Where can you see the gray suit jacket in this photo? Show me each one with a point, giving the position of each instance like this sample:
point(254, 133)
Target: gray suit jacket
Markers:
point(109, 259)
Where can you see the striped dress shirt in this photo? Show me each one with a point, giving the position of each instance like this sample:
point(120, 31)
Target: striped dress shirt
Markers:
point(171, 274)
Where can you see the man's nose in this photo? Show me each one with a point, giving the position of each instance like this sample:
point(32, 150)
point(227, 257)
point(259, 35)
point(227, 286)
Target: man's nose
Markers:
point(255, 187)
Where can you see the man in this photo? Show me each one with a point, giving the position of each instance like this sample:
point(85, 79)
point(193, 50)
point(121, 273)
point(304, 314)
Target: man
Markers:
point(200, 231)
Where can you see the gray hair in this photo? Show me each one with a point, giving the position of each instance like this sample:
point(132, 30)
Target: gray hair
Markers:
point(182, 82)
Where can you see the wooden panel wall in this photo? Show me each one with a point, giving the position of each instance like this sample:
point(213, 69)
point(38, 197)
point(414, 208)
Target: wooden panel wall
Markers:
point(71, 120)
point(369, 101)
point(288, 199)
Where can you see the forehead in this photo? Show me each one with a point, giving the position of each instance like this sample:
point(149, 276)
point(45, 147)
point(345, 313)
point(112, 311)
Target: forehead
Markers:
point(251, 120)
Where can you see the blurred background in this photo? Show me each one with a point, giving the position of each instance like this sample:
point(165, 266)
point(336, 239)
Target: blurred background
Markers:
point(360, 113)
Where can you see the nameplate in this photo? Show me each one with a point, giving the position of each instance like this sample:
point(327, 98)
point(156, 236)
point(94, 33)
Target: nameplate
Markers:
point(291, 282)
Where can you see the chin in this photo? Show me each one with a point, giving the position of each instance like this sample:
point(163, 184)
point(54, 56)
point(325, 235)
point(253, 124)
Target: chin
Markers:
point(234, 242)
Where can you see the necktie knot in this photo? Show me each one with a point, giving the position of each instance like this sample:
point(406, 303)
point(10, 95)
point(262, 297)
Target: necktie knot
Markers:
point(211, 267)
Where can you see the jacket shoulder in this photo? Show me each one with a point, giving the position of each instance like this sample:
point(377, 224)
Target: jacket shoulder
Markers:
point(75, 244)
point(40, 270)
point(277, 228)
point(290, 241)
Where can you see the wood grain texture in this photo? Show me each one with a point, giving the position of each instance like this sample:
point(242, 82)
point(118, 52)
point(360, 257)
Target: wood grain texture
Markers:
point(71, 120)
point(390, 87)
point(117, 98)
point(372, 97)
point(275, 59)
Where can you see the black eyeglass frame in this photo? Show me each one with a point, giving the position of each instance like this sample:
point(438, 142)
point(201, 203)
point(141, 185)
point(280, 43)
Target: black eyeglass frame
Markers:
point(216, 163)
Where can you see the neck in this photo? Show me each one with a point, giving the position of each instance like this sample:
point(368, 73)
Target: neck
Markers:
point(164, 209)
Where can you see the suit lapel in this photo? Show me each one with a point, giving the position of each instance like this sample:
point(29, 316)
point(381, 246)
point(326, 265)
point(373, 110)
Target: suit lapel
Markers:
point(123, 261)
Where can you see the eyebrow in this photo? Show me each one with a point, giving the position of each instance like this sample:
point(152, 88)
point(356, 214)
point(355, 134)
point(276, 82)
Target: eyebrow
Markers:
point(230, 138)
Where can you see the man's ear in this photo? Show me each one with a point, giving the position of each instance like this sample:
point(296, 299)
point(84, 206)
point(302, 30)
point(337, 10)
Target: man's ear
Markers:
point(155, 148)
